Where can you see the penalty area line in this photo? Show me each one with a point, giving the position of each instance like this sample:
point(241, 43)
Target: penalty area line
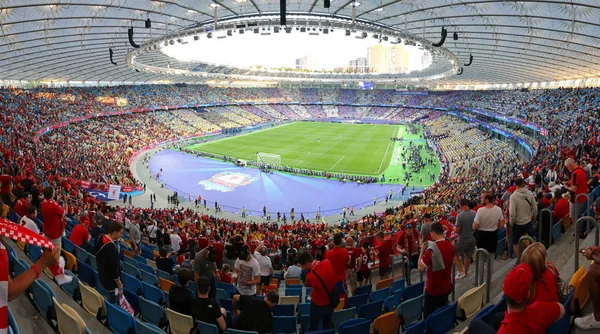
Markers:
point(343, 156)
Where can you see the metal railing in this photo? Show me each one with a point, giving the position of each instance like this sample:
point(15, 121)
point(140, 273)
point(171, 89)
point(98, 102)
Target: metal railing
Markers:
point(541, 226)
point(596, 240)
point(453, 281)
point(483, 255)
point(588, 206)
point(522, 246)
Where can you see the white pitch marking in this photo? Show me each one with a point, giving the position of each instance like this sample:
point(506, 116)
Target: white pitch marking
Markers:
point(343, 156)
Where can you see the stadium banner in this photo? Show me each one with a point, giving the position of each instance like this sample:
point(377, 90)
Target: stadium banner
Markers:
point(418, 93)
point(517, 121)
point(85, 184)
point(114, 191)
point(126, 189)
point(100, 186)
point(139, 188)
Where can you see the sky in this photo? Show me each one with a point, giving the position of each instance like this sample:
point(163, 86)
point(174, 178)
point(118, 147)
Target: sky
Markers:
point(278, 50)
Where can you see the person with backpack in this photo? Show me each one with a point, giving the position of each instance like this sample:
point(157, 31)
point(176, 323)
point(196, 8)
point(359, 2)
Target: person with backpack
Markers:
point(324, 297)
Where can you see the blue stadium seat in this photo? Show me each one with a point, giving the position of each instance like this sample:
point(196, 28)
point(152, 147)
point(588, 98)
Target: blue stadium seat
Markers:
point(370, 311)
point(355, 326)
point(413, 291)
point(284, 325)
point(410, 310)
point(391, 302)
point(281, 310)
point(153, 313)
point(563, 324)
point(293, 286)
point(35, 252)
point(163, 274)
point(130, 261)
point(131, 270)
point(132, 283)
point(86, 273)
point(146, 328)
point(149, 278)
point(324, 331)
point(363, 289)
point(226, 303)
point(305, 323)
point(303, 309)
point(416, 328)
point(146, 267)
point(442, 320)
point(487, 314)
point(42, 299)
point(12, 324)
point(206, 328)
point(67, 245)
point(229, 288)
point(238, 331)
point(556, 231)
point(380, 294)
point(153, 293)
point(342, 316)
point(357, 301)
point(92, 262)
point(221, 294)
point(119, 321)
point(81, 254)
point(72, 288)
point(133, 300)
point(293, 292)
point(399, 284)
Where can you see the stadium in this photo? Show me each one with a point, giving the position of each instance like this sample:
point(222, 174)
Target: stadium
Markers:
point(299, 166)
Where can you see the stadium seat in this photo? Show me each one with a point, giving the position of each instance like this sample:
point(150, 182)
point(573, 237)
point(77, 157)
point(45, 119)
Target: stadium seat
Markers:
point(132, 283)
point(92, 301)
point(290, 281)
point(563, 324)
point(131, 261)
point(487, 314)
point(35, 252)
point(355, 326)
point(413, 291)
point(119, 321)
point(387, 323)
point(145, 267)
point(227, 304)
point(357, 301)
point(70, 261)
point(229, 288)
point(281, 310)
point(221, 294)
point(581, 294)
point(153, 293)
point(410, 310)
point(293, 292)
point(69, 322)
point(152, 312)
point(92, 262)
point(163, 274)
point(149, 278)
point(399, 284)
point(12, 323)
point(42, 299)
point(139, 259)
point(81, 254)
point(392, 302)
point(86, 273)
point(363, 289)
point(284, 325)
point(305, 323)
point(131, 270)
point(294, 286)
point(72, 288)
point(146, 328)
point(291, 300)
point(307, 293)
point(556, 232)
point(323, 331)
point(370, 311)
point(304, 309)
point(67, 245)
point(442, 320)
point(238, 331)
point(380, 294)
point(206, 328)
point(133, 300)
point(470, 302)
point(180, 323)
point(341, 316)
point(386, 283)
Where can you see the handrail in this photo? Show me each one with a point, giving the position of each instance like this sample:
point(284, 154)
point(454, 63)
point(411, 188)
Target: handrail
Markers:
point(479, 253)
point(540, 222)
point(522, 246)
point(453, 281)
point(597, 238)
point(587, 201)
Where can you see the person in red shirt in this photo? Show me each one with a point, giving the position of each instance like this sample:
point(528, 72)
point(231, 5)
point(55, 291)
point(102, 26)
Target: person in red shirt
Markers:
point(351, 265)
point(384, 250)
point(544, 279)
point(53, 214)
point(220, 249)
point(80, 235)
point(362, 266)
point(339, 258)
point(436, 259)
point(561, 208)
point(521, 317)
point(5, 187)
point(408, 244)
point(22, 204)
point(321, 279)
point(577, 185)
point(202, 241)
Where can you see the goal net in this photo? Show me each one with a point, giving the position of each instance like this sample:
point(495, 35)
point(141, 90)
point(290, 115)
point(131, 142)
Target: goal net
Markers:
point(268, 158)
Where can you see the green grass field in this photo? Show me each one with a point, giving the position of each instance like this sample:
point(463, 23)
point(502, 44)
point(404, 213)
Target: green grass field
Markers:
point(361, 149)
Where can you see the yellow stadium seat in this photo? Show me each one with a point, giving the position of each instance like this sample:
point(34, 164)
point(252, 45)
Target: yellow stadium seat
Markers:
point(91, 300)
point(581, 294)
point(179, 323)
point(70, 261)
point(384, 283)
point(470, 303)
point(68, 323)
point(388, 323)
point(290, 300)
point(165, 285)
point(292, 281)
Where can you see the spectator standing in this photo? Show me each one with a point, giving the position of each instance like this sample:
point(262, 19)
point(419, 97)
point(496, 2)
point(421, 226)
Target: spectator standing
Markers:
point(109, 265)
point(248, 271)
point(384, 250)
point(577, 185)
point(180, 295)
point(265, 265)
point(488, 220)
point(522, 211)
point(339, 258)
point(152, 230)
point(254, 314)
point(22, 204)
point(436, 260)
point(80, 236)
point(351, 265)
point(425, 228)
point(520, 317)
point(561, 208)
point(362, 266)
point(54, 227)
point(206, 309)
point(175, 240)
point(165, 261)
point(464, 245)
point(408, 245)
point(321, 279)
point(135, 233)
point(204, 266)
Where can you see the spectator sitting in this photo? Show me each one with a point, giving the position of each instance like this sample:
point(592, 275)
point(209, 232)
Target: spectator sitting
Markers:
point(80, 236)
point(519, 316)
point(592, 320)
point(561, 208)
point(254, 314)
point(180, 296)
point(293, 271)
point(206, 309)
point(544, 280)
point(225, 274)
point(165, 262)
point(28, 219)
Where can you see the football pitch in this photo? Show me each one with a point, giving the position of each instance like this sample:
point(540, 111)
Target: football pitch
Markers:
point(360, 149)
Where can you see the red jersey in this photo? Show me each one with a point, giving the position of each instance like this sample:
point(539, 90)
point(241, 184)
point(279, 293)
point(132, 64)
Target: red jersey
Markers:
point(219, 250)
point(202, 243)
point(385, 250)
point(579, 179)
point(365, 258)
point(324, 269)
point(353, 253)
point(54, 223)
point(5, 182)
point(338, 257)
point(439, 282)
point(79, 235)
point(545, 314)
point(546, 289)
point(21, 207)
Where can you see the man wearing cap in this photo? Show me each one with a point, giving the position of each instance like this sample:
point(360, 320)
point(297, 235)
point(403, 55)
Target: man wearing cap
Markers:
point(436, 259)
point(520, 318)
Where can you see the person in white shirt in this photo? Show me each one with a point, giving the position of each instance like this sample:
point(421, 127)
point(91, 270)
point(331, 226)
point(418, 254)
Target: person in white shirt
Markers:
point(175, 241)
point(248, 271)
point(28, 221)
point(152, 229)
point(266, 267)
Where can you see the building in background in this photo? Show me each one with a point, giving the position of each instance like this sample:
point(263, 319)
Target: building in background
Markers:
point(358, 65)
point(307, 63)
point(387, 59)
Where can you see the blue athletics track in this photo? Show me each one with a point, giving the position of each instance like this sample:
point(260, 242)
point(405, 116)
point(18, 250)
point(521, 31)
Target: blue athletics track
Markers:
point(235, 187)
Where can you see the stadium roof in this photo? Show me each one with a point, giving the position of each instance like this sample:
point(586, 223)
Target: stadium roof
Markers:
point(511, 41)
